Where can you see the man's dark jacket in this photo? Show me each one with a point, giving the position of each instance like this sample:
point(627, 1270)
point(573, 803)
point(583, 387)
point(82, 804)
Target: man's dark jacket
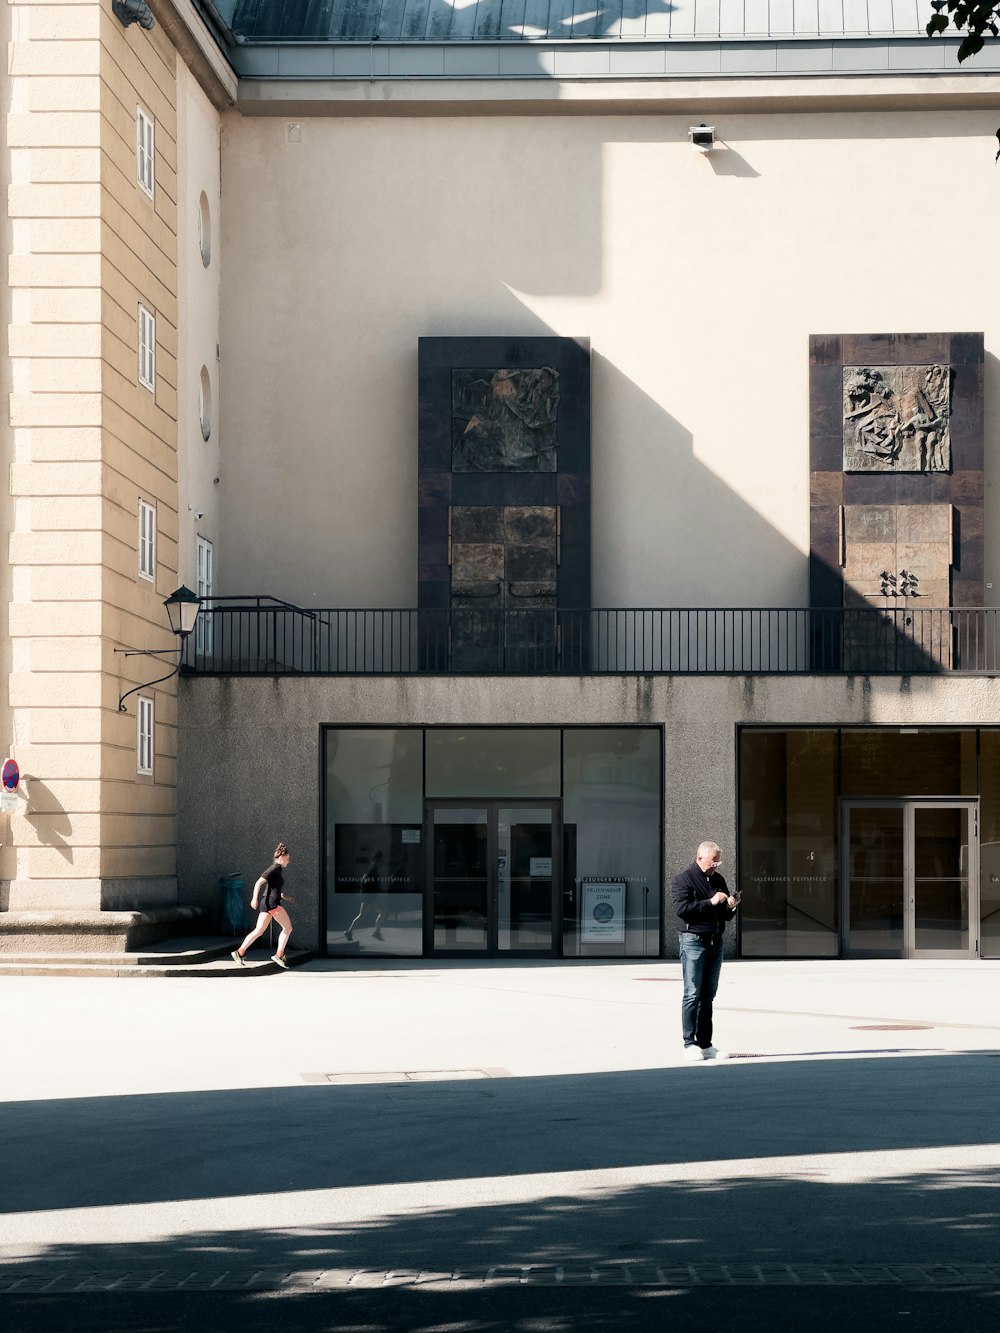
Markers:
point(692, 892)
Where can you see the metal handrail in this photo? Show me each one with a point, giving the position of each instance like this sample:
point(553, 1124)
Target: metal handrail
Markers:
point(258, 598)
point(251, 635)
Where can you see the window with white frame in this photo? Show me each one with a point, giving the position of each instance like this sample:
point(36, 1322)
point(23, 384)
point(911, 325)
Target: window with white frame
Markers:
point(204, 627)
point(144, 736)
point(147, 540)
point(147, 347)
point(144, 150)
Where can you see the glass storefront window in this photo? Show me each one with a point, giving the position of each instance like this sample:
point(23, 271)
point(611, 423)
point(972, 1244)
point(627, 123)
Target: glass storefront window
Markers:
point(612, 839)
point(506, 762)
point(812, 799)
point(788, 844)
point(491, 813)
point(374, 840)
point(890, 761)
point(989, 843)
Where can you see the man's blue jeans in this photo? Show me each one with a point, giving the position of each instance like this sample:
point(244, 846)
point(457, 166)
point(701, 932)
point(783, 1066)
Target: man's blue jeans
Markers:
point(701, 963)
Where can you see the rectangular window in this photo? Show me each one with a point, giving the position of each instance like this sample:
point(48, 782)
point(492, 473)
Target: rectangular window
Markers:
point(788, 844)
point(476, 872)
point(144, 736)
point(144, 150)
point(484, 761)
point(612, 840)
point(204, 625)
point(147, 540)
point(147, 347)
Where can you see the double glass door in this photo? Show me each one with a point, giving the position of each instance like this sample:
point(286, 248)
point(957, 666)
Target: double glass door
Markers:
point(492, 874)
point(910, 878)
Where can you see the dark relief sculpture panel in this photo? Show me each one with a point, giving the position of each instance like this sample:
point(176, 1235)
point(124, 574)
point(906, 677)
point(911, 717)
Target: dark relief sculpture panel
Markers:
point(504, 499)
point(504, 420)
point(896, 513)
point(896, 418)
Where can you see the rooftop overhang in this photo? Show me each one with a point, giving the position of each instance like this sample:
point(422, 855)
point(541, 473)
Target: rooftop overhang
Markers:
point(517, 74)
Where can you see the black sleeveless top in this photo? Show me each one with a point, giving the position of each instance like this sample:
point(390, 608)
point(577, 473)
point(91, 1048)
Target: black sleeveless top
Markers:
point(272, 889)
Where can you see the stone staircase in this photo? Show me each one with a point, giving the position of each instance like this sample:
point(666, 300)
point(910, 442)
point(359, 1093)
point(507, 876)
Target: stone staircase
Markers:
point(181, 956)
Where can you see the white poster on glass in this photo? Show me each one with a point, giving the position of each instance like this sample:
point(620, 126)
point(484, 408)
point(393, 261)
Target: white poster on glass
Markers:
point(602, 916)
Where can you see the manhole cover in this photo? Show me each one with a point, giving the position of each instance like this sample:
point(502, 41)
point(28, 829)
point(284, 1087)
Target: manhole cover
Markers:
point(892, 1027)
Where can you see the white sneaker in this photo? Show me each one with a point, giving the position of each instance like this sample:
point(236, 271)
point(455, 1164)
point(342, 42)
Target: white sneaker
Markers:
point(713, 1053)
point(693, 1053)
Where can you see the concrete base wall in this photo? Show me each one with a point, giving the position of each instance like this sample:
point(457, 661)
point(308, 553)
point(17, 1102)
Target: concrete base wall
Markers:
point(89, 895)
point(249, 749)
point(80, 932)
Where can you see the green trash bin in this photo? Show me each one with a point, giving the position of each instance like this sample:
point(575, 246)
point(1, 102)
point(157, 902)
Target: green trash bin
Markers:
point(232, 910)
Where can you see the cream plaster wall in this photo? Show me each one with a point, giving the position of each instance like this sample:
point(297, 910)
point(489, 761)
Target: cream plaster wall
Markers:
point(697, 277)
point(198, 131)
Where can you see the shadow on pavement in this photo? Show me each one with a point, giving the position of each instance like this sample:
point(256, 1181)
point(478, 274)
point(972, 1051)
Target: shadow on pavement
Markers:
point(405, 1310)
point(83, 1153)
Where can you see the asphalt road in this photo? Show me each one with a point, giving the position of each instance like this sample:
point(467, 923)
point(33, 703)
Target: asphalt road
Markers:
point(482, 1120)
point(715, 1310)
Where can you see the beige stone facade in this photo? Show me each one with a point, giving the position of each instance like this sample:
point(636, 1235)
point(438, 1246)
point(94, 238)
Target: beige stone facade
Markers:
point(87, 444)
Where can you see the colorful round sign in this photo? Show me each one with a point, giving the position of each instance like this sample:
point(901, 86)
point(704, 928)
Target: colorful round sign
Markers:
point(10, 776)
point(603, 912)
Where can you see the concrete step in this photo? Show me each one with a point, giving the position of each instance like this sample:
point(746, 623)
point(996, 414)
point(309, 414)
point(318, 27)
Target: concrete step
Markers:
point(73, 933)
point(174, 958)
point(165, 953)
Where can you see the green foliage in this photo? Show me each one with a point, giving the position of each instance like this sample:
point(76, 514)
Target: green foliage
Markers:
point(976, 17)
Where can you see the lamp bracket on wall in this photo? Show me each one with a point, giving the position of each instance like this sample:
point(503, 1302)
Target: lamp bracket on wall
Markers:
point(128, 12)
point(182, 608)
point(147, 652)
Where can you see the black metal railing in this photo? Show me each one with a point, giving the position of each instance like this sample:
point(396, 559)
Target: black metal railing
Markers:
point(257, 636)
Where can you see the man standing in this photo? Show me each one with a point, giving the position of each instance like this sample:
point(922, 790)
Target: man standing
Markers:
point(703, 904)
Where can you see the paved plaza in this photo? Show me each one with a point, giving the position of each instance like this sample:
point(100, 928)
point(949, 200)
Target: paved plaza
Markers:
point(388, 1143)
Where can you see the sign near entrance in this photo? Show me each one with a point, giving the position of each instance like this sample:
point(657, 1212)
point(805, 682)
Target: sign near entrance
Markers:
point(10, 776)
point(602, 912)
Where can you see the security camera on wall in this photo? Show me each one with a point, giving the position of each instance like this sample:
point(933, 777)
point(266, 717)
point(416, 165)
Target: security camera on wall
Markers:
point(702, 137)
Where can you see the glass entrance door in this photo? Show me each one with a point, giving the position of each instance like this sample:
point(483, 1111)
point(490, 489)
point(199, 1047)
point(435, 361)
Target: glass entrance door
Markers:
point(492, 877)
point(910, 878)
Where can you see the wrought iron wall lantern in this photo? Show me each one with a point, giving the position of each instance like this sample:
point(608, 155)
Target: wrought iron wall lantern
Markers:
point(182, 612)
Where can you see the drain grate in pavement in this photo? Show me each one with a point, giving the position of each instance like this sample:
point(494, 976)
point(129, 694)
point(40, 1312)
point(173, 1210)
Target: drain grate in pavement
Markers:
point(404, 1076)
point(892, 1027)
point(50, 1279)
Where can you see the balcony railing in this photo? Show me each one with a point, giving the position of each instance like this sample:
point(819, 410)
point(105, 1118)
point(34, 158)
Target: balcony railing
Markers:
point(261, 637)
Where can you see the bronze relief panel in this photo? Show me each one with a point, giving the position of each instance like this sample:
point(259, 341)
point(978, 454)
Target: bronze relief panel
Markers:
point(504, 420)
point(896, 418)
point(504, 556)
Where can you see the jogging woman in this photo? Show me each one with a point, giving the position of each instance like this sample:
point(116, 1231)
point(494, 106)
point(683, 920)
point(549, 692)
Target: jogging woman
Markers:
point(267, 891)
